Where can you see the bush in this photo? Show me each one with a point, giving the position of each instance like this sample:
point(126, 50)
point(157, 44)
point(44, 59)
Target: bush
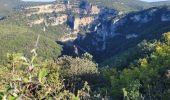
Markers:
point(35, 79)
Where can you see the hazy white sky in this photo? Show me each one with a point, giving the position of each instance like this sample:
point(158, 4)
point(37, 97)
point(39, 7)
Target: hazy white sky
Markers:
point(54, 0)
point(39, 0)
point(154, 0)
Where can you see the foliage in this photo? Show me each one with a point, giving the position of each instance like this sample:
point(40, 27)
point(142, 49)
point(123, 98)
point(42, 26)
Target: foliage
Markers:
point(147, 79)
point(20, 38)
point(138, 73)
point(70, 78)
point(76, 66)
point(35, 79)
point(125, 5)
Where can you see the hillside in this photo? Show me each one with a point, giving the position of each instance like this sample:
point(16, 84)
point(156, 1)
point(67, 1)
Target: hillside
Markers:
point(111, 38)
point(127, 5)
point(134, 26)
point(80, 50)
point(121, 5)
point(7, 5)
point(54, 20)
point(79, 78)
point(21, 38)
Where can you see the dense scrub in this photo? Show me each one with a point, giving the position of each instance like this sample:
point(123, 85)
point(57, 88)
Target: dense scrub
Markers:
point(147, 78)
point(68, 77)
point(140, 72)
point(24, 78)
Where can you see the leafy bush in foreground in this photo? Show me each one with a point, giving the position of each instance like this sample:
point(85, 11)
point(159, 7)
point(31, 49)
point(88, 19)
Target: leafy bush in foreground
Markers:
point(34, 79)
point(149, 78)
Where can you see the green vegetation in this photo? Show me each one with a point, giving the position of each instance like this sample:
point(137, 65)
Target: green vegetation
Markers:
point(20, 38)
point(148, 78)
point(31, 66)
point(127, 5)
point(68, 77)
point(8, 6)
point(24, 78)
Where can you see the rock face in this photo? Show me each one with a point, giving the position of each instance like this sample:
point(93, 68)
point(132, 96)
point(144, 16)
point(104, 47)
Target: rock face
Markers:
point(70, 21)
point(111, 33)
point(103, 22)
point(104, 26)
point(76, 23)
point(58, 20)
point(48, 8)
point(165, 17)
point(76, 16)
point(106, 31)
point(85, 7)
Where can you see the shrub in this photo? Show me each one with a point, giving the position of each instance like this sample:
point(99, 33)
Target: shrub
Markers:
point(32, 78)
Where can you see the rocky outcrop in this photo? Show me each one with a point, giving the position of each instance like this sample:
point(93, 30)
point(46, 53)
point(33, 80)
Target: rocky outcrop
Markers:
point(48, 8)
point(111, 32)
point(165, 17)
point(58, 20)
point(38, 21)
point(107, 31)
point(63, 12)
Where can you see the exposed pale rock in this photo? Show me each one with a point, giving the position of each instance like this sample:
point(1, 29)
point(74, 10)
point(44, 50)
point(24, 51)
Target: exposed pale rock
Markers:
point(165, 17)
point(129, 36)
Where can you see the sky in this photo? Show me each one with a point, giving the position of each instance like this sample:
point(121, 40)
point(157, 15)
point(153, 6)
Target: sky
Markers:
point(39, 0)
point(54, 0)
point(154, 0)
